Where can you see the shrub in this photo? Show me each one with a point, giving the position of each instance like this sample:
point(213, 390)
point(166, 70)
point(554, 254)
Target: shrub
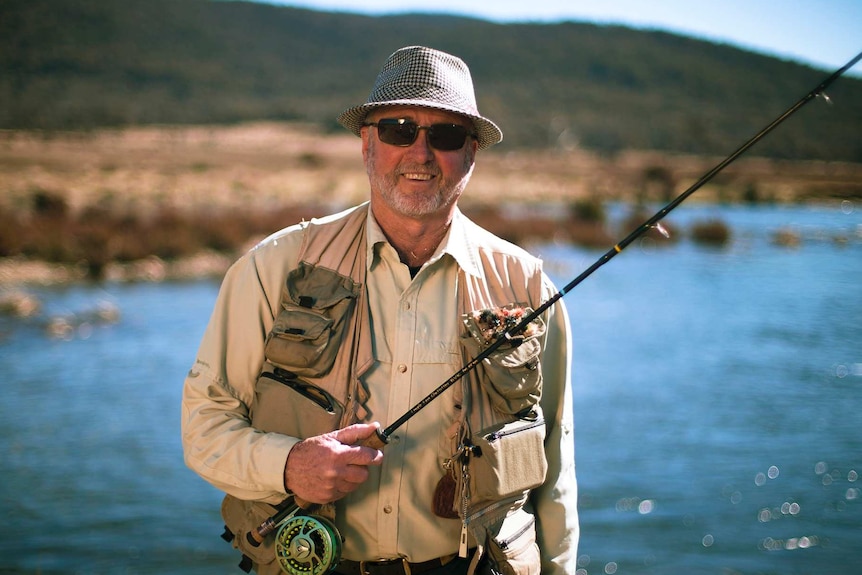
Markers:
point(588, 210)
point(714, 232)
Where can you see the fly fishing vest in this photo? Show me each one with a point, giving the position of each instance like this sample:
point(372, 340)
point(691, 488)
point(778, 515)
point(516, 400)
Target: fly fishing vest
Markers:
point(320, 346)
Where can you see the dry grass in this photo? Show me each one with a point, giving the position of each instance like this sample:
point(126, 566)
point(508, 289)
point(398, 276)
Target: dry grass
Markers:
point(122, 195)
point(192, 168)
point(266, 165)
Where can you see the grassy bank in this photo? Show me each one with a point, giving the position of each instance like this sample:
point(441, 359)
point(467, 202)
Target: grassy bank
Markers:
point(99, 201)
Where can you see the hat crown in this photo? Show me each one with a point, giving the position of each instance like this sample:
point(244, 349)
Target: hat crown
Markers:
point(428, 78)
point(423, 74)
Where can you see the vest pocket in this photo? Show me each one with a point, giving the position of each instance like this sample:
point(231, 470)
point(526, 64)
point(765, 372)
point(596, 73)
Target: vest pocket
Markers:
point(241, 517)
point(511, 375)
point(286, 404)
point(313, 393)
point(508, 458)
point(307, 333)
point(513, 550)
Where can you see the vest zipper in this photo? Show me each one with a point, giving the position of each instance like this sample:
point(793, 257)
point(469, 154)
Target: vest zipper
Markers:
point(492, 507)
point(311, 392)
point(494, 436)
point(504, 543)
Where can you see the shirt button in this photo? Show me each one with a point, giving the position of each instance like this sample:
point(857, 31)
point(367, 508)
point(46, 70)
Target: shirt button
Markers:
point(402, 368)
point(387, 509)
point(406, 305)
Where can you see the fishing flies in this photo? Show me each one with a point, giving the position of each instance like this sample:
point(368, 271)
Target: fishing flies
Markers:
point(662, 230)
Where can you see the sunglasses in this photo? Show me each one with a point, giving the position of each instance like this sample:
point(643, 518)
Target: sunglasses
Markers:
point(401, 132)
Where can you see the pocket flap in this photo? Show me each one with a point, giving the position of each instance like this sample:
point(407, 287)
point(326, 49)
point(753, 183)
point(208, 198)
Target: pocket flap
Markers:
point(318, 288)
point(317, 304)
point(300, 323)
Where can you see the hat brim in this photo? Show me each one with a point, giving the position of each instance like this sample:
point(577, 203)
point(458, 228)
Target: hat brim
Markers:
point(487, 132)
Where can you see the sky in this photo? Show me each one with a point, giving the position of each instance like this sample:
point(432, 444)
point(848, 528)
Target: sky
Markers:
point(825, 34)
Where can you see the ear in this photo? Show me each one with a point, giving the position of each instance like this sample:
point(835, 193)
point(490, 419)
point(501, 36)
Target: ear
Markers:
point(474, 149)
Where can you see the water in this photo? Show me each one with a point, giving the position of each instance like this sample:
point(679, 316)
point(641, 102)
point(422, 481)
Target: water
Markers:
point(717, 396)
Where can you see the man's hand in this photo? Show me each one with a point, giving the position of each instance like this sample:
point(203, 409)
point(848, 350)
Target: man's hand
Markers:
point(325, 468)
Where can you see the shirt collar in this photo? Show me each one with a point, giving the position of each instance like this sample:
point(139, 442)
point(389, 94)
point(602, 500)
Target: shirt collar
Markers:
point(457, 244)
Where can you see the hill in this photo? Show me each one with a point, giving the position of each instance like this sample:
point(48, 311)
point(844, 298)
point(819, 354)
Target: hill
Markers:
point(86, 64)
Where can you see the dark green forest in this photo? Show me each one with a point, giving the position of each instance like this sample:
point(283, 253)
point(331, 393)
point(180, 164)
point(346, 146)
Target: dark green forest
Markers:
point(86, 64)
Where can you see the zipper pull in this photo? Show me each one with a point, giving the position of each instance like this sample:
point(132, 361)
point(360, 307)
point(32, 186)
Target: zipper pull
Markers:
point(462, 549)
point(465, 499)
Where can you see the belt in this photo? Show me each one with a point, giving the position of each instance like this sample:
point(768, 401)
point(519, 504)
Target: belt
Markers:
point(398, 566)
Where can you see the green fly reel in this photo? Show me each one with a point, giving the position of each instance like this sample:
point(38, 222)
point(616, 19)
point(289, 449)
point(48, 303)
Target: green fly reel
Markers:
point(307, 545)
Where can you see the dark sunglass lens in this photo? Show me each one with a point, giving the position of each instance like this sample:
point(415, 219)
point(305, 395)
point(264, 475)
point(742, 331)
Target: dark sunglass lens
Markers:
point(447, 137)
point(397, 133)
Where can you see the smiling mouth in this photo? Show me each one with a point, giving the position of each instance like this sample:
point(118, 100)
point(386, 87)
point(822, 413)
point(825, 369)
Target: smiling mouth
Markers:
point(418, 176)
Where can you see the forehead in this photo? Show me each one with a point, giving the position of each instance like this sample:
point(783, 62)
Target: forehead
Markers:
point(419, 115)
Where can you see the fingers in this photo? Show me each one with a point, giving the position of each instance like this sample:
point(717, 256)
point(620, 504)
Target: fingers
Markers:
point(355, 434)
point(327, 467)
point(352, 477)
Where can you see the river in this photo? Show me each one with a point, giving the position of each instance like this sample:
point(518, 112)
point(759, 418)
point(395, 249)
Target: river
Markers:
point(717, 398)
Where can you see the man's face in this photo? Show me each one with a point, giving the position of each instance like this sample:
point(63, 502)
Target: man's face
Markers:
point(416, 180)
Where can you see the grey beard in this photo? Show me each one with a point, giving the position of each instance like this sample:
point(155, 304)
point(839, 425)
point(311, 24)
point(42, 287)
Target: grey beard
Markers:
point(418, 205)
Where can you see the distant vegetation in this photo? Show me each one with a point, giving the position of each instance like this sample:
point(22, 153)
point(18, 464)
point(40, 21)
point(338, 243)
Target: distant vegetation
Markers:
point(84, 64)
point(97, 237)
point(176, 202)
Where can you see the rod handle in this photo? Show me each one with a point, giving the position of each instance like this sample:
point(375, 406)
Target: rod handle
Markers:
point(377, 441)
point(256, 536)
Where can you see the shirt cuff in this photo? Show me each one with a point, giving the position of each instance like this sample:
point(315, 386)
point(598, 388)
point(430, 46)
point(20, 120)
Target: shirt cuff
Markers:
point(271, 457)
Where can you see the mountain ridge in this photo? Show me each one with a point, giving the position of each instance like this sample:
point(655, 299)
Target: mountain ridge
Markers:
point(85, 64)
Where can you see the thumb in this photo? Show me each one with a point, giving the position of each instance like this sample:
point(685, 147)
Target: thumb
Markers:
point(353, 434)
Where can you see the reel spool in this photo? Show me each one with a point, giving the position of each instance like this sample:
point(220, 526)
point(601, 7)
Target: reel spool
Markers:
point(307, 545)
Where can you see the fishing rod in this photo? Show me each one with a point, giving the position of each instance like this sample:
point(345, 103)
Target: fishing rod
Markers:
point(308, 545)
point(382, 436)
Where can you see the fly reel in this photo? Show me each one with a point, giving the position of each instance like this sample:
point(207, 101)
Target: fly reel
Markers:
point(307, 545)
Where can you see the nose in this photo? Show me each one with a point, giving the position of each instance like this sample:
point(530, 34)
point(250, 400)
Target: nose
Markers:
point(420, 146)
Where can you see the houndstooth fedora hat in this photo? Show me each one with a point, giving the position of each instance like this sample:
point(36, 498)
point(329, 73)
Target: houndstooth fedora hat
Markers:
point(419, 76)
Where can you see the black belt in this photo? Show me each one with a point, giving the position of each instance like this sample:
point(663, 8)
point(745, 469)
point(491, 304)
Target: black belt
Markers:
point(398, 566)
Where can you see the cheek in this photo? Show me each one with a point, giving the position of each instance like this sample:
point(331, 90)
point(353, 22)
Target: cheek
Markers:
point(370, 154)
point(367, 144)
point(468, 161)
point(460, 164)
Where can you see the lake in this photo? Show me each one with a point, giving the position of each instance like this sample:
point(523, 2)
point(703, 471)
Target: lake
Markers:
point(717, 398)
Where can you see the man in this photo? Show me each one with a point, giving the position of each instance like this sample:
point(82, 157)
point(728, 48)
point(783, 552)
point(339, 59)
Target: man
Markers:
point(330, 328)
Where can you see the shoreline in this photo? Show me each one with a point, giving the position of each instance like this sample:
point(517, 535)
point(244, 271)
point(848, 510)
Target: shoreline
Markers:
point(18, 273)
point(175, 202)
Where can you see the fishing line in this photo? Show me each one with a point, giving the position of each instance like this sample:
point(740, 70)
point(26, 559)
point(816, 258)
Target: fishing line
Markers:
point(310, 545)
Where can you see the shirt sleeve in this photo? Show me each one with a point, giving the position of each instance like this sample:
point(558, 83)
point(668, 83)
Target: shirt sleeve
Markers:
point(556, 500)
point(219, 442)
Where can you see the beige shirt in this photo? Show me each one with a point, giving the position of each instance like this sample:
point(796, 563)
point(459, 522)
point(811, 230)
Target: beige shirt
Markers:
point(416, 348)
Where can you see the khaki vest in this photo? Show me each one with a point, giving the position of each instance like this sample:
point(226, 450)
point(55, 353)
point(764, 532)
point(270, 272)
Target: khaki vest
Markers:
point(320, 346)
